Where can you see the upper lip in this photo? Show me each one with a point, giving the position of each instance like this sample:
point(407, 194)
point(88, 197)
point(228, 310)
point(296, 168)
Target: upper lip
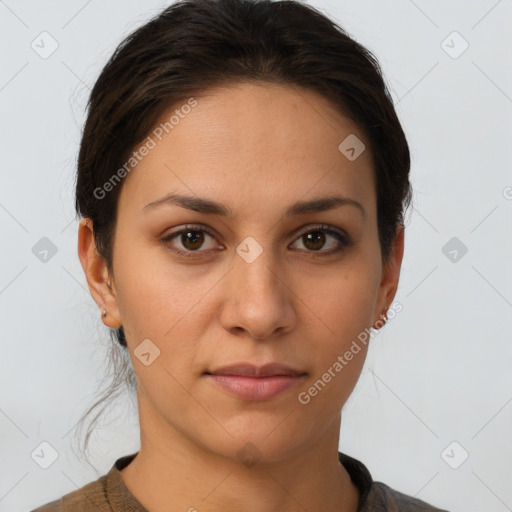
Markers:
point(251, 370)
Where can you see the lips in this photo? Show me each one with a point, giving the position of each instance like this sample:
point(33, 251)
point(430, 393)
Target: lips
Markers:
point(255, 383)
point(250, 370)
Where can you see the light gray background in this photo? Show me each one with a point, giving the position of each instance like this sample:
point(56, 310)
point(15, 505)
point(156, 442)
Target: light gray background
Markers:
point(436, 373)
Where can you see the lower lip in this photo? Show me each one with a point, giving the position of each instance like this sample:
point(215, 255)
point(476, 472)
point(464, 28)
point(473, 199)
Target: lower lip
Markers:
point(256, 388)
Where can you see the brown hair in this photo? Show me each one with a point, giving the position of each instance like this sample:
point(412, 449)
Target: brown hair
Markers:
point(193, 45)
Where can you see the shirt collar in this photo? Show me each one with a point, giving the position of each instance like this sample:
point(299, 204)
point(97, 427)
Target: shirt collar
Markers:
point(122, 500)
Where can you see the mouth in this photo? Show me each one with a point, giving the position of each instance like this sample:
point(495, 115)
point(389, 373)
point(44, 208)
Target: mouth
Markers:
point(252, 383)
point(251, 370)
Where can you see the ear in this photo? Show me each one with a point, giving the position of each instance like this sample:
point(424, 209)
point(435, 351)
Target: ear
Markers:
point(390, 276)
point(96, 273)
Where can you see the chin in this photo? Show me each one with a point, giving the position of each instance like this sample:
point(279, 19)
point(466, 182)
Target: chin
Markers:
point(255, 440)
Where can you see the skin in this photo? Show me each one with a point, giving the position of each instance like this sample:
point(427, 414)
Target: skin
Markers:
point(256, 148)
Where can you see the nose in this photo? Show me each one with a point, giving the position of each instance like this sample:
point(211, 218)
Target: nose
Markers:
point(258, 298)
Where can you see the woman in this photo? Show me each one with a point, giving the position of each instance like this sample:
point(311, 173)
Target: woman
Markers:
point(242, 180)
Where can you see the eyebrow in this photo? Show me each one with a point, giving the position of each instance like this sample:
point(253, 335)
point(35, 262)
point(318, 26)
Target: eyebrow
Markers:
point(208, 206)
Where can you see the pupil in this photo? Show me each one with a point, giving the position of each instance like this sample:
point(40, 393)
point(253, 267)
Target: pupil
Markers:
point(317, 237)
point(193, 237)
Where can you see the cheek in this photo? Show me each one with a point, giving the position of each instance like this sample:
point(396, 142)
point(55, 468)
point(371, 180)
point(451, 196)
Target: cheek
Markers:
point(339, 345)
point(343, 301)
point(341, 309)
point(161, 302)
point(153, 294)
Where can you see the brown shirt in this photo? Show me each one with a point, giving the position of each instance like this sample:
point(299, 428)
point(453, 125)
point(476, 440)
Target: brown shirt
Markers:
point(109, 494)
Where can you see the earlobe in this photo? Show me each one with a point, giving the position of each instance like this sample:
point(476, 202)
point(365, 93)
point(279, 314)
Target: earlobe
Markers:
point(97, 275)
point(383, 318)
point(109, 320)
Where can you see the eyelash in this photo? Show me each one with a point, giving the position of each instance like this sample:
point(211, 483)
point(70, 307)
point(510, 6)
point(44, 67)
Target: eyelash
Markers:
point(342, 238)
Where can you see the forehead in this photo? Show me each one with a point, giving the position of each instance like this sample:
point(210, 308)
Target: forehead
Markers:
point(247, 141)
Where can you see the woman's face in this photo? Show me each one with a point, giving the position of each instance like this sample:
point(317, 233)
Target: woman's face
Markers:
point(264, 282)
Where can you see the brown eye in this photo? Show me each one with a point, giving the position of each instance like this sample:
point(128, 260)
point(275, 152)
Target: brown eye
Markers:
point(314, 240)
point(318, 237)
point(190, 239)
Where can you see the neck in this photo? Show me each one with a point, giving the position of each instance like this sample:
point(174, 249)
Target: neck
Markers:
point(170, 468)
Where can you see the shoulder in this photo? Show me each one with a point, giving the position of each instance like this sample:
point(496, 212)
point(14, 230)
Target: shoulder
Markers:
point(91, 496)
point(383, 498)
point(377, 496)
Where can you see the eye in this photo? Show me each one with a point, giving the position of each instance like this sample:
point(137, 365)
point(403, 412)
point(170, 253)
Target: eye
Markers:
point(191, 238)
point(315, 239)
